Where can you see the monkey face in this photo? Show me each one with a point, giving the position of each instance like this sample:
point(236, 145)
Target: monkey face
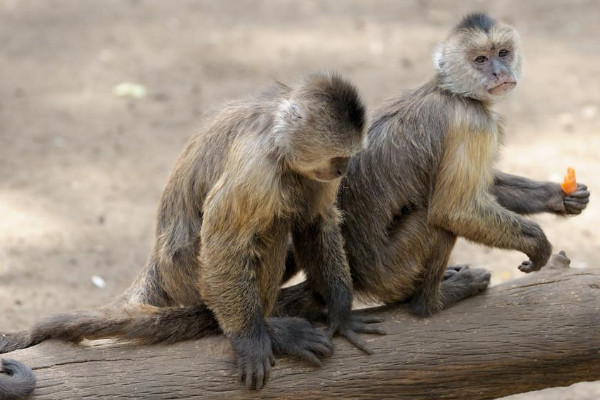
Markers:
point(495, 67)
point(480, 60)
point(325, 163)
point(327, 129)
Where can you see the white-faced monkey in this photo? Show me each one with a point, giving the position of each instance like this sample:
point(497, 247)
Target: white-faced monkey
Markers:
point(260, 171)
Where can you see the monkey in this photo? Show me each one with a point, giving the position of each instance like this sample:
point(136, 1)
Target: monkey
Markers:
point(261, 172)
point(16, 380)
point(428, 176)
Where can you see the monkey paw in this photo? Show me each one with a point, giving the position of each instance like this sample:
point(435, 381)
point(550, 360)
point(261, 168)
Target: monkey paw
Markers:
point(298, 338)
point(254, 358)
point(576, 202)
point(356, 323)
point(453, 270)
point(471, 280)
point(529, 266)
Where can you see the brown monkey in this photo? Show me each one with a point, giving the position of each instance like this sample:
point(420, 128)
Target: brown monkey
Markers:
point(259, 171)
point(428, 176)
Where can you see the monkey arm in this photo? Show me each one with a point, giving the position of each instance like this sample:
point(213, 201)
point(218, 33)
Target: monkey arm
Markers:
point(318, 249)
point(465, 208)
point(229, 289)
point(485, 221)
point(229, 266)
point(526, 196)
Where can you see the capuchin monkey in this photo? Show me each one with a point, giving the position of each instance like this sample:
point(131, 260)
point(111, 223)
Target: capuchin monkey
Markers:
point(260, 171)
point(428, 176)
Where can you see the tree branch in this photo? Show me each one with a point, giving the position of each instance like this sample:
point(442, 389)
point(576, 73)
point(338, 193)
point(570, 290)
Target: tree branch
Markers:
point(535, 332)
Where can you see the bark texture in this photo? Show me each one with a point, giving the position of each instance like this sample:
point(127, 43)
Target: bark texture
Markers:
point(535, 332)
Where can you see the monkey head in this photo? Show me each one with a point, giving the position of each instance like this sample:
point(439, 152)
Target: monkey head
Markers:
point(480, 59)
point(324, 126)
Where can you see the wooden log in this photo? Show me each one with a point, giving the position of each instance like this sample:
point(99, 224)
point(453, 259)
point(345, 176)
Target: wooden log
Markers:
point(535, 332)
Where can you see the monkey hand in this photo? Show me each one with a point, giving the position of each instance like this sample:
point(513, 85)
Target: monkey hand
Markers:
point(255, 358)
point(569, 204)
point(538, 248)
point(576, 202)
point(354, 323)
point(296, 337)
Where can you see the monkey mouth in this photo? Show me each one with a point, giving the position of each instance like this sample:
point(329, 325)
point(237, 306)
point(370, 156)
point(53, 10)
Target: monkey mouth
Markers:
point(502, 87)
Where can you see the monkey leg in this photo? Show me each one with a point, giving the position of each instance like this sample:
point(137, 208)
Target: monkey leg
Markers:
point(298, 338)
point(428, 297)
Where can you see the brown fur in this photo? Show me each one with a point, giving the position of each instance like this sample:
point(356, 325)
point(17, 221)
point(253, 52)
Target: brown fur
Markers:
point(259, 171)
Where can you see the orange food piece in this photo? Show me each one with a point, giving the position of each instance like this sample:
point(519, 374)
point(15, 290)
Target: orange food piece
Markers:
point(569, 184)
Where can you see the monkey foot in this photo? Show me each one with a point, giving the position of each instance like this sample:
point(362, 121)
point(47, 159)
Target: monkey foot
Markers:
point(469, 281)
point(453, 270)
point(354, 324)
point(296, 337)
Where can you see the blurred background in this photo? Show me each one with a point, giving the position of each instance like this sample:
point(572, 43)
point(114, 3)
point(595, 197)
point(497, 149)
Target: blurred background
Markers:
point(97, 98)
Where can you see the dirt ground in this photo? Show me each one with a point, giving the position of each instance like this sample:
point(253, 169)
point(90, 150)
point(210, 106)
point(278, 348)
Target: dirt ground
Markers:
point(81, 170)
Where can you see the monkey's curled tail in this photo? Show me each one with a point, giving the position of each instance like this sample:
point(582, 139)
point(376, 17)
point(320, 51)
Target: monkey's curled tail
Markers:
point(16, 380)
point(140, 323)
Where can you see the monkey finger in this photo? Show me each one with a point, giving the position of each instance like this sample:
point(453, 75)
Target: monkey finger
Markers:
point(319, 349)
point(457, 267)
point(449, 273)
point(241, 372)
point(260, 376)
point(583, 195)
point(248, 376)
point(309, 356)
point(361, 328)
point(327, 344)
point(579, 204)
point(267, 367)
point(356, 341)
point(367, 319)
point(574, 211)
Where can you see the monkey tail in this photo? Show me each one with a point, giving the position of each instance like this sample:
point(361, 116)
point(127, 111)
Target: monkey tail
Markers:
point(139, 323)
point(16, 380)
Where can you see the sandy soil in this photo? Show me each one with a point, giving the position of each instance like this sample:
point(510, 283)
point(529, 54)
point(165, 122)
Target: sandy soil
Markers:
point(81, 170)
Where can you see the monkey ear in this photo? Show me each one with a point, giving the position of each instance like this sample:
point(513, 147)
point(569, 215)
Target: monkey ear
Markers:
point(438, 56)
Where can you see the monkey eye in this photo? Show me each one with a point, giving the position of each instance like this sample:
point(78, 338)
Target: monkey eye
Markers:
point(503, 53)
point(481, 59)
